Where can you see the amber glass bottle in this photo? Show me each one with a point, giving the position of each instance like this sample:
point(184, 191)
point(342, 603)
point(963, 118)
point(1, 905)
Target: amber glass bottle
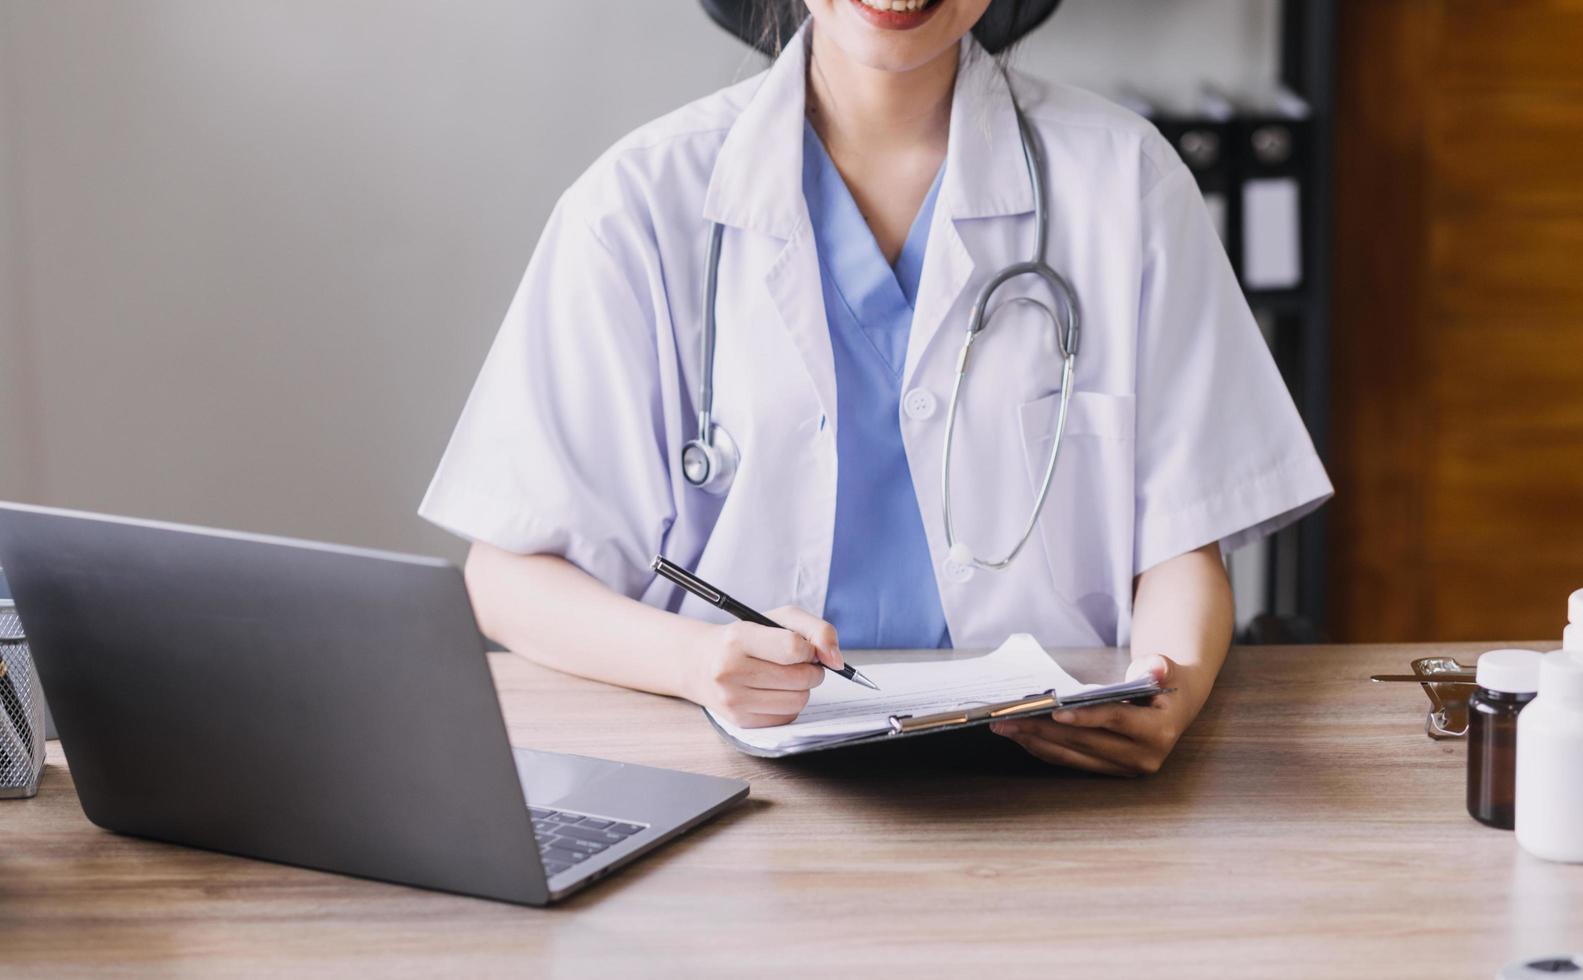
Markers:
point(1507, 680)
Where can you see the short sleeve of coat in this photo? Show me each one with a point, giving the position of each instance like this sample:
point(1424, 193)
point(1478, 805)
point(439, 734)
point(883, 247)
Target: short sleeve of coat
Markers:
point(560, 448)
point(1221, 453)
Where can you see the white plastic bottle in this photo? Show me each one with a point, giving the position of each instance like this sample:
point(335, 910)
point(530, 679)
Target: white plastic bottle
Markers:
point(1550, 762)
point(1572, 636)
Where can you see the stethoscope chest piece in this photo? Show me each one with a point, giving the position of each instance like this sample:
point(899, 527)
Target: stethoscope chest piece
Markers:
point(710, 464)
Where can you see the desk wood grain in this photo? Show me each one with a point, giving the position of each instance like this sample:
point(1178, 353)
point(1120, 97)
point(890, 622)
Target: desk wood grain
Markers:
point(1304, 827)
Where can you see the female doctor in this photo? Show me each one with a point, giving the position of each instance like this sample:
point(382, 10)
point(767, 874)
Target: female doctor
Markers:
point(865, 189)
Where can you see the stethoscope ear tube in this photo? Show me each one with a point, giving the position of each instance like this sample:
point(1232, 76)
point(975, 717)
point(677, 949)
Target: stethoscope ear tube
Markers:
point(1068, 325)
point(1068, 332)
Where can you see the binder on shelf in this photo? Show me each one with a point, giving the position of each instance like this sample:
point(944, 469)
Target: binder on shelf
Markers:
point(1204, 144)
point(1272, 146)
point(1202, 137)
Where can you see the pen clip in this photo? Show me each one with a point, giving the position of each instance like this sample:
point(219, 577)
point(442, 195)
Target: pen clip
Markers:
point(672, 572)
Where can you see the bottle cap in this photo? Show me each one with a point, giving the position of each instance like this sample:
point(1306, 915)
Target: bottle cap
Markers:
point(1509, 671)
point(1561, 675)
point(1575, 608)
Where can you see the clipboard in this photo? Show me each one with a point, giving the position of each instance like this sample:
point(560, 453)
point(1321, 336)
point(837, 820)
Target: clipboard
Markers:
point(967, 716)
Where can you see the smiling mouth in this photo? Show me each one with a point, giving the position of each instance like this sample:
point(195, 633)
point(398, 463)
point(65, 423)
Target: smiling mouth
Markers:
point(897, 15)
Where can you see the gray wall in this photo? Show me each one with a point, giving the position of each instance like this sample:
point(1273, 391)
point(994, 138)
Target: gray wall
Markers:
point(252, 253)
point(16, 406)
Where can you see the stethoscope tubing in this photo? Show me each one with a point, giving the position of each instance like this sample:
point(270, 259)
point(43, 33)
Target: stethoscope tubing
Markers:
point(706, 384)
point(1049, 467)
point(1068, 335)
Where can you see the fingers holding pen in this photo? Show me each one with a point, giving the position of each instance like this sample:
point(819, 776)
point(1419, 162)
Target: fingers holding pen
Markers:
point(769, 645)
point(782, 677)
point(758, 675)
point(818, 634)
point(758, 670)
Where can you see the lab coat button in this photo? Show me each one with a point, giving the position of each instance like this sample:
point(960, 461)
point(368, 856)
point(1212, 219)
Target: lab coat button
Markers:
point(956, 572)
point(919, 404)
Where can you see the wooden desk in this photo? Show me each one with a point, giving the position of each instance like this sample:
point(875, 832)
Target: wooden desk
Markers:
point(1304, 827)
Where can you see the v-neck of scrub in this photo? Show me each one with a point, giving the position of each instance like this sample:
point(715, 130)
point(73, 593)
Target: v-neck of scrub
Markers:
point(878, 296)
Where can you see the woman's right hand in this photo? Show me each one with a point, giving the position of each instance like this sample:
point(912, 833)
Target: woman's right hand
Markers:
point(754, 676)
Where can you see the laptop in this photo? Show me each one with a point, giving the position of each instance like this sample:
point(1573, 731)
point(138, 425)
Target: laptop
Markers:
point(314, 705)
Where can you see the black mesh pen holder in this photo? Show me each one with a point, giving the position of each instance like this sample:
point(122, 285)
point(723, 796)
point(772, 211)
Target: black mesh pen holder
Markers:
point(21, 711)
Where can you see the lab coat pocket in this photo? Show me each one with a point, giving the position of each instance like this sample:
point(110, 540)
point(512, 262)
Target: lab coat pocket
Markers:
point(1086, 525)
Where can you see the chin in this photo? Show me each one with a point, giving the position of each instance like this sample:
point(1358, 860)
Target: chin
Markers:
point(909, 36)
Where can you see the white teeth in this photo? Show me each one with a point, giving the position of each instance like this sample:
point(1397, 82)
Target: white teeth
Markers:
point(897, 5)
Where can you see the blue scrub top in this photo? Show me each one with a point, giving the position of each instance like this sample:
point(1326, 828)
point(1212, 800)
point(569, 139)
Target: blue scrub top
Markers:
point(882, 591)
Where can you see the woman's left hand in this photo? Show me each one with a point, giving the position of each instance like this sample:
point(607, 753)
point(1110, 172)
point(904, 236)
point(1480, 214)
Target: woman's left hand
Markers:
point(1114, 739)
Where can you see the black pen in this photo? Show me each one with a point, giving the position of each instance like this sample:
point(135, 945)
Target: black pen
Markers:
point(673, 572)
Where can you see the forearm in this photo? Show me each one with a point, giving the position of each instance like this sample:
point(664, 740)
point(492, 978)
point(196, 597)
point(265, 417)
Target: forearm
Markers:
point(552, 612)
point(1182, 609)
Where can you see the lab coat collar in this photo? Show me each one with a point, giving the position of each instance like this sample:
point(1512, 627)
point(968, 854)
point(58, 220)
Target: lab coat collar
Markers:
point(757, 178)
point(985, 173)
point(986, 176)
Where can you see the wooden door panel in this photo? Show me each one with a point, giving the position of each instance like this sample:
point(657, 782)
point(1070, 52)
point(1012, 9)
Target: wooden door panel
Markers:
point(1458, 429)
point(1478, 142)
point(1486, 44)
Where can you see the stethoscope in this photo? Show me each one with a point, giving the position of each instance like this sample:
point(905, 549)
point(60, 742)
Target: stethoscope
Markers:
point(709, 461)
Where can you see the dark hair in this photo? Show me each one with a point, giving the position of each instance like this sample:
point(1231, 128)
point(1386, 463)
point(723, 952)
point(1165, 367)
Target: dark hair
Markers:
point(769, 24)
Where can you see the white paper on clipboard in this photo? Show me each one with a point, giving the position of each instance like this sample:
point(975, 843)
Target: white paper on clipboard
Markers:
point(838, 710)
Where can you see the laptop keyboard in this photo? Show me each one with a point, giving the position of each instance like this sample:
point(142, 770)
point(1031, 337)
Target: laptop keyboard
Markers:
point(567, 838)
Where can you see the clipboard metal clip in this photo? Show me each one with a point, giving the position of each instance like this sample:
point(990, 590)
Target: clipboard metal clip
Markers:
point(1136, 691)
point(907, 724)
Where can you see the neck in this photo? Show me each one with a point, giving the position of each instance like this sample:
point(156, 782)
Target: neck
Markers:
point(859, 110)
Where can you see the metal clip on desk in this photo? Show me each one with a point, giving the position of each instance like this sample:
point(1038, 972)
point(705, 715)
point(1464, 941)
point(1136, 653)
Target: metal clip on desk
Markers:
point(1448, 684)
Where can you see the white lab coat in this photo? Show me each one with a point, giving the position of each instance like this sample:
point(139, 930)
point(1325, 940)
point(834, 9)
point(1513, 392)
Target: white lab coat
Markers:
point(1180, 432)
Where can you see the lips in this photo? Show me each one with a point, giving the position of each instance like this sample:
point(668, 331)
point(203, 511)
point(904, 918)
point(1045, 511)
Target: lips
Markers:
point(896, 15)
